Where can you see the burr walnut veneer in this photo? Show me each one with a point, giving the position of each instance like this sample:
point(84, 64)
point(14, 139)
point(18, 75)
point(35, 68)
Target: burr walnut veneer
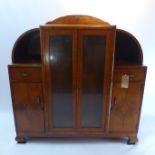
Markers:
point(77, 76)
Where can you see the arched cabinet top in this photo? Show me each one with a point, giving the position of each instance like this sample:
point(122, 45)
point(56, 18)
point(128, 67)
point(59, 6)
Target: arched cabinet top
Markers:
point(78, 19)
point(127, 48)
point(27, 47)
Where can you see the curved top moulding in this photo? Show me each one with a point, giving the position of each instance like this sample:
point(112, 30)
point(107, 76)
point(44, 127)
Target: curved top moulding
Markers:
point(78, 19)
point(127, 48)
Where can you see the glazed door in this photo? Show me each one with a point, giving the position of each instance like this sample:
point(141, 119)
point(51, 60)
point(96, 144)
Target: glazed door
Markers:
point(60, 79)
point(95, 71)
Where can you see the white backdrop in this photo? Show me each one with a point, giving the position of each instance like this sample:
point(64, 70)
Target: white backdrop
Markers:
point(135, 16)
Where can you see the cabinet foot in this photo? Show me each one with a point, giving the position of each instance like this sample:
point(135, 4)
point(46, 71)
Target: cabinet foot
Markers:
point(132, 140)
point(20, 139)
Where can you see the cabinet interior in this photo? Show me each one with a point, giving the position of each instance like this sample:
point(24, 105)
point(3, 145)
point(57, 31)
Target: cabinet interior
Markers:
point(127, 49)
point(27, 48)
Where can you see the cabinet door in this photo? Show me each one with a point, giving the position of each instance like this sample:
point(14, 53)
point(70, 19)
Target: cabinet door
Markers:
point(95, 71)
point(125, 108)
point(126, 100)
point(28, 108)
point(59, 73)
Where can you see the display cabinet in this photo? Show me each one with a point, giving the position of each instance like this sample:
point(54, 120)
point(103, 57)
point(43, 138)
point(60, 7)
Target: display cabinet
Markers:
point(77, 76)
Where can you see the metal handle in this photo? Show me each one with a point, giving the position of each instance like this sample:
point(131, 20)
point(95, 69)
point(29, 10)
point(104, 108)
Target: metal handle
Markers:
point(114, 102)
point(24, 74)
point(40, 102)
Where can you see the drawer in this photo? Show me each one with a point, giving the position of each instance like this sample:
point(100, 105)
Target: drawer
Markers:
point(25, 74)
point(135, 73)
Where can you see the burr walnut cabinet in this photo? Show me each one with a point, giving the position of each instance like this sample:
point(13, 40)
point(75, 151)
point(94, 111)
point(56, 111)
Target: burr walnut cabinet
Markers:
point(77, 76)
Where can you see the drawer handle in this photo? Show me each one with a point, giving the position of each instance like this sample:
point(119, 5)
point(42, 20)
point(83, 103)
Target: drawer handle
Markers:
point(131, 75)
point(24, 74)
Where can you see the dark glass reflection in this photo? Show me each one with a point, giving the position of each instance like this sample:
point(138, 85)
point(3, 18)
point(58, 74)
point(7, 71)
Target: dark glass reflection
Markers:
point(61, 76)
point(93, 74)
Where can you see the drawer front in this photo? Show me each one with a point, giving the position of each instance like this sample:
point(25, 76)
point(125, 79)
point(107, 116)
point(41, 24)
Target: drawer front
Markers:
point(135, 73)
point(25, 74)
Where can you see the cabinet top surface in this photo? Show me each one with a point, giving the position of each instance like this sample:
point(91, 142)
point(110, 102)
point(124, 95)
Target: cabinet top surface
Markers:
point(77, 21)
point(77, 26)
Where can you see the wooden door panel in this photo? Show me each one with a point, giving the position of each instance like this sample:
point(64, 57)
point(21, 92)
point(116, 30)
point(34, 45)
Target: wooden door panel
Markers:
point(125, 108)
point(28, 106)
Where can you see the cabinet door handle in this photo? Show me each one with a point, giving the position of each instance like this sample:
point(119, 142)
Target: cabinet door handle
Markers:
point(114, 102)
point(40, 102)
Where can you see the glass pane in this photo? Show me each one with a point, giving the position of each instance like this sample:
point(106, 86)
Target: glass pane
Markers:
point(92, 81)
point(61, 76)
